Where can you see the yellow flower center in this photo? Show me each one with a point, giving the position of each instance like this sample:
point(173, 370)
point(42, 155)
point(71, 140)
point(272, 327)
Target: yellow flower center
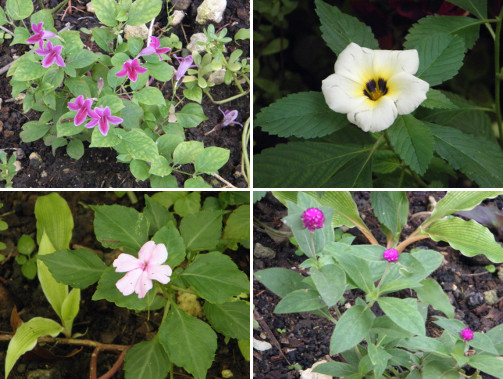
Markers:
point(375, 90)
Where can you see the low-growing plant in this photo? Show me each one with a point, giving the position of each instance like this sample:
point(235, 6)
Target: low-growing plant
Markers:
point(165, 256)
point(394, 344)
point(112, 97)
point(7, 168)
point(26, 259)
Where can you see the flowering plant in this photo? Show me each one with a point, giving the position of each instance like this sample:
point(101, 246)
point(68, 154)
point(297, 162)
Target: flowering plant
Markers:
point(169, 263)
point(388, 118)
point(136, 93)
point(382, 332)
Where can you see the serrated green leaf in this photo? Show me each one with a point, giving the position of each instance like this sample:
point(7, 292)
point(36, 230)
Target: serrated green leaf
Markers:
point(232, 319)
point(237, 226)
point(106, 11)
point(476, 7)
point(197, 182)
point(160, 71)
point(104, 38)
point(436, 99)
point(339, 29)
point(440, 57)
point(143, 11)
point(29, 71)
point(186, 152)
point(170, 236)
point(351, 328)
point(303, 115)
point(147, 359)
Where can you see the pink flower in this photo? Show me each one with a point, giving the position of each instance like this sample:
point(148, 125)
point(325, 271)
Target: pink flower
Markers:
point(51, 53)
point(131, 68)
point(230, 117)
point(185, 64)
point(142, 270)
point(103, 117)
point(313, 219)
point(83, 107)
point(40, 34)
point(467, 334)
point(391, 255)
point(154, 48)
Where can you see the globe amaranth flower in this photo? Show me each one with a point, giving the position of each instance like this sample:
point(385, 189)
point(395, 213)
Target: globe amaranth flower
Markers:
point(40, 33)
point(131, 68)
point(374, 86)
point(103, 117)
point(154, 48)
point(391, 255)
point(142, 270)
point(83, 107)
point(467, 334)
point(313, 219)
point(51, 53)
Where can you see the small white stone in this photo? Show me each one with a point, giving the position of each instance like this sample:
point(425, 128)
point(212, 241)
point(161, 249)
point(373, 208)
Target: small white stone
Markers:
point(211, 10)
point(90, 7)
point(177, 17)
point(172, 115)
point(217, 77)
point(261, 345)
point(193, 45)
point(43, 174)
point(18, 166)
point(308, 374)
point(140, 31)
point(20, 98)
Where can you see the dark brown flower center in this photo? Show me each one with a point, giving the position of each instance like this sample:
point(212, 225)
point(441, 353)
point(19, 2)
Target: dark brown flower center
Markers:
point(374, 90)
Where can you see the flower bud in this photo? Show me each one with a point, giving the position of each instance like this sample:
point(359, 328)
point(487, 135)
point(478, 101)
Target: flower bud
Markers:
point(101, 83)
point(313, 219)
point(467, 334)
point(391, 255)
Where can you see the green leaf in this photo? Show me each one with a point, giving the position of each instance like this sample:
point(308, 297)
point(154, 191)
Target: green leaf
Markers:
point(202, 230)
point(456, 201)
point(197, 182)
point(112, 101)
point(330, 281)
point(345, 210)
point(469, 237)
point(413, 141)
point(157, 215)
point(143, 11)
point(191, 115)
point(231, 319)
point(19, 10)
point(216, 277)
point(339, 29)
point(440, 57)
point(489, 364)
point(20, 36)
point(186, 152)
point(211, 159)
point(189, 204)
point(303, 300)
point(147, 359)
point(357, 269)
point(425, 344)
point(70, 309)
point(280, 280)
point(3, 19)
point(476, 157)
point(237, 226)
point(403, 313)
point(464, 27)
point(26, 245)
point(139, 169)
point(189, 342)
point(132, 114)
point(476, 7)
point(170, 237)
point(106, 11)
point(45, 16)
point(431, 293)
point(303, 115)
point(29, 71)
point(25, 339)
point(33, 130)
point(483, 342)
point(160, 71)
point(275, 46)
point(138, 144)
point(53, 78)
point(82, 58)
point(99, 140)
point(391, 209)
point(75, 149)
point(77, 268)
point(104, 38)
point(436, 99)
point(150, 96)
point(134, 45)
point(337, 369)
point(54, 218)
point(116, 226)
point(78, 86)
point(351, 328)
point(304, 164)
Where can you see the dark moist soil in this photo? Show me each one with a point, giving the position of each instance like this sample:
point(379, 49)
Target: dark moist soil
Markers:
point(98, 168)
point(97, 320)
point(304, 339)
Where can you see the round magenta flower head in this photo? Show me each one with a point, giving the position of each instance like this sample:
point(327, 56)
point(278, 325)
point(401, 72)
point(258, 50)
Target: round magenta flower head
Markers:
point(391, 255)
point(467, 334)
point(313, 219)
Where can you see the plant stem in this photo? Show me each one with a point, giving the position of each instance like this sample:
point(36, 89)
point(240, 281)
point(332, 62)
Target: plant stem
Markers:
point(225, 100)
point(245, 161)
point(497, 79)
point(272, 230)
point(41, 2)
point(313, 249)
point(409, 240)
point(59, 6)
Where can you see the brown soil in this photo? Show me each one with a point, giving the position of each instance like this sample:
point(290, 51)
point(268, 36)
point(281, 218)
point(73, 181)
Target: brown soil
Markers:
point(98, 167)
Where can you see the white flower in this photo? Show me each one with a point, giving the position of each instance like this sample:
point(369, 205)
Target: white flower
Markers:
point(374, 86)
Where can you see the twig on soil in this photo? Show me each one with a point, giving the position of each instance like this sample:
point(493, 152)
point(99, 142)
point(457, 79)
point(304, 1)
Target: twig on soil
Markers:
point(229, 185)
point(94, 363)
point(7, 31)
point(267, 330)
point(150, 30)
point(418, 214)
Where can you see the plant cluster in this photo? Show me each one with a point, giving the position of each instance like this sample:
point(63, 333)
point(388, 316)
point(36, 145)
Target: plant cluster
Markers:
point(381, 121)
point(165, 256)
point(394, 344)
point(7, 168)
point(113, 98)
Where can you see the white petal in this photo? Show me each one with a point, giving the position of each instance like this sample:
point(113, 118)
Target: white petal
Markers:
point(407, 91)
point(145, 253)
point(159, 255)
point(161, 273)
point(387, 63)
point(342, 94)
point(374, 116)
point(355, 63)
point(143, 285)
point(126, 262)
point(128, 283)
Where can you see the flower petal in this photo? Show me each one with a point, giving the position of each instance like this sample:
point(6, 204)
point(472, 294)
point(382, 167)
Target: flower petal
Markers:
point(149, 50)
point(60, 62)
point(114, 120)
point(127, 284)
point(407, 91)
point(73, 106)
point(159, 254)
point(103, 126)
point(145, 253)
point(126, 262)
point(48, 60)
point(161, 273)
point(387, 63)
point(80, 117)
point(355, 63)
point(342, 94)
point(92, 123)
point(122, 72)
point(143, 285)
point(374, 116)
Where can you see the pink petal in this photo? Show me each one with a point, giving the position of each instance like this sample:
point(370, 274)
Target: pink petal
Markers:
point(122, 72)
point(60, 62)
point(163, 50)
point(41, 51)
point(57, 49)
point(161, 273)
point(37, 28)
point(114, 120)
point(80, 117)
point(146, 251)
point(106, 112)
point(73, 107)
point(126, 262)
point(159, 254)
point(34, 39)
point(103, 125)
point(128, 283)
point(48, 60)
point(141, 70)
point(48, 34)
point(87, 104)
point(133, 75)
point(143, 285)
point(154, 42)
point(99, 111)
point(92, 123)
point(149, 50)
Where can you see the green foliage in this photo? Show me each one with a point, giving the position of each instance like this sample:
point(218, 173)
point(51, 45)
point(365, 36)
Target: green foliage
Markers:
point(7, 168)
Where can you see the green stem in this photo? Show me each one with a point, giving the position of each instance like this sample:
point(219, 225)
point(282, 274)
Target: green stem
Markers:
point(272, 230)
point(41, 2)
point(400, 180)
point(497, 81)
point(245, 161)
point(59, 6)
point(207, 92)
point(132, 197)
point(166, 310)
point(183, 289)
point(311, 242)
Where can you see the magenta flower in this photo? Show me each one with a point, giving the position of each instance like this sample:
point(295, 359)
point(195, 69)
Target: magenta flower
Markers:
point(184, 65)
point(83, 107)
point(131, 68)
point(40, 33)
point(154, 48)
point(467, 334)
point(142, 270)
point(103, 117)
point(51, 53)
point(391, 255)
point(313, 219)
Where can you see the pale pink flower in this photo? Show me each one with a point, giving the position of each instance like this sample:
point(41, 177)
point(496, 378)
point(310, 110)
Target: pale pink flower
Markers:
point(142, 270)
point(83, 107)
point(51, 53)
point(184, 65)
point(40, 33)
point(154, 48)
point(102, 116)
point(131, 68)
